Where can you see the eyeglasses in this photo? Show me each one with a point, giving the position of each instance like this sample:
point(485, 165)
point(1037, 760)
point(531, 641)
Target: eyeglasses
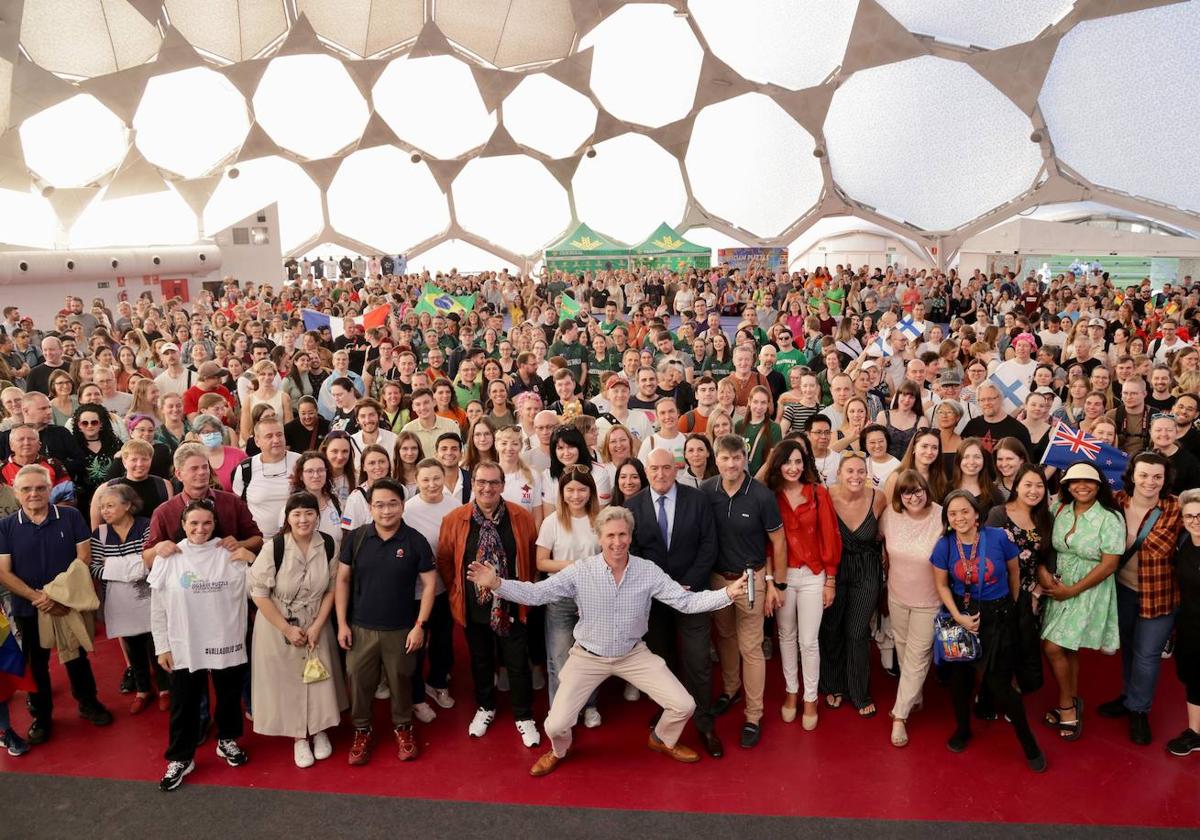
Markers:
point(912, 492)
point(381, 504)
point(1191, 517)
point(88, 424)
point(488, 482)
point(573, 469)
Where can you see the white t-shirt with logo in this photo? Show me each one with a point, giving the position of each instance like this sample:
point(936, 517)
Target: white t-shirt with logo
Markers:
point(522, 491)
point(198, 607)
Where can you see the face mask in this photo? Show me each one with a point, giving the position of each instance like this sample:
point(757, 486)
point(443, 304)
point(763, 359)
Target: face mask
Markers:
point(211, 439)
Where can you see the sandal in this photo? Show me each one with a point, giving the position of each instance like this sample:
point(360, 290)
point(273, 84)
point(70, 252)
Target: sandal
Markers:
point(868, 711)
point(1053, 718)
point(899, 739)
point(833, 701)
point(1072, 730)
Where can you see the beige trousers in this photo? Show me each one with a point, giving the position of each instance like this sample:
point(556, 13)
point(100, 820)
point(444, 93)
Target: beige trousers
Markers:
point(584, 672)
point(912, 628)
point(739, 645)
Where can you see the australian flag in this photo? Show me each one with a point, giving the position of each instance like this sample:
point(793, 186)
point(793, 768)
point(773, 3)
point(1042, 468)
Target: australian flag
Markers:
point(1068, 446)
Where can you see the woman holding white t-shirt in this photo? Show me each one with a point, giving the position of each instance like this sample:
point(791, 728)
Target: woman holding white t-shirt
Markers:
point(565, 537)
point(198, 620)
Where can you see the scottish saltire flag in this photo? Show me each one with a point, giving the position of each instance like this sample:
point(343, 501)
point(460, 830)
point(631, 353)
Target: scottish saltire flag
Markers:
point(437, 301)
point(1068, 446)
point(314, 320)
point(568, 307)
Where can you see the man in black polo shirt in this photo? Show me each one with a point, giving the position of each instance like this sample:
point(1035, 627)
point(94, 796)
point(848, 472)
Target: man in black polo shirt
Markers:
point(37, 544)
point(378, 571)
point(747, 517)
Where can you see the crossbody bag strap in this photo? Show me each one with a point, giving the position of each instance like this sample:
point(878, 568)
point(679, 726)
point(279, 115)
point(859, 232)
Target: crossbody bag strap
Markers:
point(1143, 532)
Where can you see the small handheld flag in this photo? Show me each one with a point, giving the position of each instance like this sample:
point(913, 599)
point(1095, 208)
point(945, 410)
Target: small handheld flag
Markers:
point(1067, 446)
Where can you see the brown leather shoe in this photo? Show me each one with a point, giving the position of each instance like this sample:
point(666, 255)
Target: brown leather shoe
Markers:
point(546, 763)
point(406, 743)
point(678, 752)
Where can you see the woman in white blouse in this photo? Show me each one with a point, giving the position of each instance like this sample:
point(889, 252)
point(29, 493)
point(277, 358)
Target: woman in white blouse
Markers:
point(566, 536)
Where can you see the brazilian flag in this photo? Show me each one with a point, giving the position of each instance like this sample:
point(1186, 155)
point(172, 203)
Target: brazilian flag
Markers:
point(437, 301)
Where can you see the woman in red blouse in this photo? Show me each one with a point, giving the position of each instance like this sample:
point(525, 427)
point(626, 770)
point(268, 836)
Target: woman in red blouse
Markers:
point(814, 551)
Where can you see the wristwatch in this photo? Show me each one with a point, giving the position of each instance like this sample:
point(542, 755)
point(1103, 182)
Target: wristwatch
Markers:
point(780, 585)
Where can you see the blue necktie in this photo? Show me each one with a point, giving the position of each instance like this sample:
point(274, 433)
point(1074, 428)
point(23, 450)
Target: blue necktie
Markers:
point(662, 520)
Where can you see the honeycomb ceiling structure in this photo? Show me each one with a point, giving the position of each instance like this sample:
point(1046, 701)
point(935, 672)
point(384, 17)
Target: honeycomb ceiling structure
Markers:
point(400, 126)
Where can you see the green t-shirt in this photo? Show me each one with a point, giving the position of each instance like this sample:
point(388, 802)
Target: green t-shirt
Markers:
point(574, 353)
point(465, 395)
point(788, 359)
point(607, 328)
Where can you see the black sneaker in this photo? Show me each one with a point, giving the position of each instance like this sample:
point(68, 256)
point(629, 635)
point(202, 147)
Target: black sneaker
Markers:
point(1038, 763)
point(176, 770)
point(127, 685)
point(751, 733)
point(1113, 709)
point(39, 732)
point(232, 753)
point(96, 713)
point(1186, 743)
point(1139, 728)
point(958, 742)
point(13, 743)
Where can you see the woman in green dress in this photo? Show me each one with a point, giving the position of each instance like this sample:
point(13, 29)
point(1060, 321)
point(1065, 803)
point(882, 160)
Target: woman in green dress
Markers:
point(1081, 611)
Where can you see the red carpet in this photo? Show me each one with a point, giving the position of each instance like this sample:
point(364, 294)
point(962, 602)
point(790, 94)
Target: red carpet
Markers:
point(845, 768)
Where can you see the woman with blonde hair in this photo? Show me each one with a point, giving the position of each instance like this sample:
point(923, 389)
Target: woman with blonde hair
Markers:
point(264, 392)
point(522, 485)
point(407, 454)
point(145, 398)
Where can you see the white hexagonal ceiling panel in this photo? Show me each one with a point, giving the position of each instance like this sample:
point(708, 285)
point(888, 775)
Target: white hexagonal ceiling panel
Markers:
point(646, 64)
point(213, 111)
point(629, 188)
point(791, 43)
point(935, 160)
point(760, 180)
point(489, 191)
point(411, 90)
point(310, 105)
point(261, 182)
point(1130, 122)
point(383, 199)
point(74, 142)
point(158, 218)
point(547, 116)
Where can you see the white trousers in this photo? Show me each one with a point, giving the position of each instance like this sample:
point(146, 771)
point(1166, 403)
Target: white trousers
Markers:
point(799, 623)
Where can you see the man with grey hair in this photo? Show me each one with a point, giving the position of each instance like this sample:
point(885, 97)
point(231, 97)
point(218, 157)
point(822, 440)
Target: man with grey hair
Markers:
point(38, 544)
point(613, 591)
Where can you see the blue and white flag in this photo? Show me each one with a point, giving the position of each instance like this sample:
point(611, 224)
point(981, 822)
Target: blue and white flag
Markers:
point(910, 330)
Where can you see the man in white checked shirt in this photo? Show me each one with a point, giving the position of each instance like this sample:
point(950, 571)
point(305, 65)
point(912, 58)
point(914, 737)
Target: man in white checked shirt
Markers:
point(613, 591)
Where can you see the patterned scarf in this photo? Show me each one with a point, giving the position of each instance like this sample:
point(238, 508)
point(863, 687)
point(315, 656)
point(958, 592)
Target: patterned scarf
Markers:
point(491, 550)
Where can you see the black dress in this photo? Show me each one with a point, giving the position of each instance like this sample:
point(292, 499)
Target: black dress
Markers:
point(1028, 659)
point(1187, 620)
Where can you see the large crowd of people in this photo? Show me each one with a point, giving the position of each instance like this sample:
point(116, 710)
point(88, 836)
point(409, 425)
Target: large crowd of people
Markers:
point(643, 474)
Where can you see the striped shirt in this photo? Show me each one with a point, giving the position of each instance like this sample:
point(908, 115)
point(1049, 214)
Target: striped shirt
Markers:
point(612, 615)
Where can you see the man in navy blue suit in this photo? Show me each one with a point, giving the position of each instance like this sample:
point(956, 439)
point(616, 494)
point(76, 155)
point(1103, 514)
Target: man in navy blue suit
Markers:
point(674, 528)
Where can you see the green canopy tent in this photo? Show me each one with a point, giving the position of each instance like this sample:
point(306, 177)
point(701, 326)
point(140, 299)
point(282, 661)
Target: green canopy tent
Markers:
point(586, 250)
point(667, 249)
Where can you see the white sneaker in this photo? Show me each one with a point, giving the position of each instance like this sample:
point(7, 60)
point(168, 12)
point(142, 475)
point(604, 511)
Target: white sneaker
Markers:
point(321, 747)
point(480, 723)
point(539, 677)
point(502, 680)
point(302, 753)
point(441, 696)
point(529, 733)
point(424, 713)
point(591, 717)
point(382, 692)
point(631, 693)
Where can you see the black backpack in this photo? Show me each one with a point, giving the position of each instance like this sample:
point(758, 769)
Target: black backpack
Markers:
point(277, 542)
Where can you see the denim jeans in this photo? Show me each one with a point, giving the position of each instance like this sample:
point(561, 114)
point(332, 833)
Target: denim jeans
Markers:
point(561, 617)
point(1142, 641)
